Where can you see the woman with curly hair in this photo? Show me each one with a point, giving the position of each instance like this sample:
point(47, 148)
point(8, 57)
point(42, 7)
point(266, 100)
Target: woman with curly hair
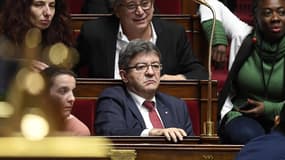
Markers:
point(37, 31)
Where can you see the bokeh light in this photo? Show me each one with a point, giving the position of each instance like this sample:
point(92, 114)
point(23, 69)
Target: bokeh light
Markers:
point(61, 55)
point(30, 81)
point(58, 54)
point(6, 110)
point(34, 126)
point(7, 48)
point(33, 38)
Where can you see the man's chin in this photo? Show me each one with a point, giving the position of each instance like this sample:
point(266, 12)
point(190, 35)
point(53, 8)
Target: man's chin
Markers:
point(151, 87)
point(141, 25)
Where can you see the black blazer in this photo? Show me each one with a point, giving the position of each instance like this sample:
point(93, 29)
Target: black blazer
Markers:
point(97, 48)
point(8, 70)
point(96, 6)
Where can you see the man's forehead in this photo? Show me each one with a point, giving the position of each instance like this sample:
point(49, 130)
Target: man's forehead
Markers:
point(143, 55)
point(128, 1)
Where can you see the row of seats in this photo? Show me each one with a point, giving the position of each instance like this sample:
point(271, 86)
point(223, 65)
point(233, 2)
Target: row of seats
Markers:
point(87, 114)
point(163, 6)
point(192, 28)
point(84, 109)
point(244, 11)
point(175, 7)
point(243, 8)
point(194, 93)
point(191, 25)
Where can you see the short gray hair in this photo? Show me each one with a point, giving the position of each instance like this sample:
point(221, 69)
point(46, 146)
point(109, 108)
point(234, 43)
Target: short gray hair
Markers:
point(135, 47)
point(115, 3)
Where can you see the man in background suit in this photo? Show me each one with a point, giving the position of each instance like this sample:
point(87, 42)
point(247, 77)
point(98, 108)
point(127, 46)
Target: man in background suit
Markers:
point(120, 110)
point(1, 5)
point(100, 41)
point(270, 146)
point(96, 7)
point(8, 71)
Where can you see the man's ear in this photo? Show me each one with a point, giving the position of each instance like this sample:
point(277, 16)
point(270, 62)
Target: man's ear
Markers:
point(123, 75)
point(276, 120)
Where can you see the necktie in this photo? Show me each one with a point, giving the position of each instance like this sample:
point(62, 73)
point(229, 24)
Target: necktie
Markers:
point(156, 123)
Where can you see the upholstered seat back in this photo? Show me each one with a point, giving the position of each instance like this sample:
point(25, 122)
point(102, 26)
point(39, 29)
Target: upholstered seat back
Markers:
point(84, 109)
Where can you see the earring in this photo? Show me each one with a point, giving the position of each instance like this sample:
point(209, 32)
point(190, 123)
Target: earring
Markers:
point(254, 40)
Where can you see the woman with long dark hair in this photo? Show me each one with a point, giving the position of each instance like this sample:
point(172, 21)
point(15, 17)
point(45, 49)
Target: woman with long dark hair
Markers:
point(36, 30)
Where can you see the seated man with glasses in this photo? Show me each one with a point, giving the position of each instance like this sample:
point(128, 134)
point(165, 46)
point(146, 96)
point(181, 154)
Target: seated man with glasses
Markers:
point(101, 40)
point(137, 108)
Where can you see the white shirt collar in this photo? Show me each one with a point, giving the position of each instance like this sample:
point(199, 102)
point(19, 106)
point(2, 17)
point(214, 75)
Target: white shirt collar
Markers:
point(140, 100)
point(121, 36)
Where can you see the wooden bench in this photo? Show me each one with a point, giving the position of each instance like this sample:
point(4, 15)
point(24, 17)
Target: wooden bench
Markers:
point(176, 151)
point(183, 19)
point(180, 7)
point(195, 93)
point(192, 26)
point(161, 140)
point(152, 140)
point(96, 148)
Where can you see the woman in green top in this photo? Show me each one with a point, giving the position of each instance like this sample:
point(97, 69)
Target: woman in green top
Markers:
point(254, 91)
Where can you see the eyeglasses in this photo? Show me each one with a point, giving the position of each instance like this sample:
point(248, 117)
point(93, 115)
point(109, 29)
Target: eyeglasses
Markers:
point(132, 7)
point(143, 67)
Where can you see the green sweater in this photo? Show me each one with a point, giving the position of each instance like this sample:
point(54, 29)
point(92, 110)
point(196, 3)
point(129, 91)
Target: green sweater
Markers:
point(250, 81)
point(219, 33)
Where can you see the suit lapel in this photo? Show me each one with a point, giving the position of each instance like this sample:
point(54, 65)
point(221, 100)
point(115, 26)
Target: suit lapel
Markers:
point(111, 41)
point(157, 26)
point(158, 29)
point(134, 109)
point(164, 113)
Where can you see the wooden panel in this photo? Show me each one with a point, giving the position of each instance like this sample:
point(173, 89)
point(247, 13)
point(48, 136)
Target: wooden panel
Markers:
point(162, 140)
point(183, 19)
point(154, 152)
point(53, 158)
point(79, 148)
point(75, 5)
point(189, 7)
point(152, 140)
point(91, 88)
point(181, 151)
point(168, 6)
point(61, 147)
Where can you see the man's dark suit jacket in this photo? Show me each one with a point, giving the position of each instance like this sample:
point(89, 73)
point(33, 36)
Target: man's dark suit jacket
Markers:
point(97, 48)
point(8, 70)
point(118, 115)
point(269, 147)
point(96, 6)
